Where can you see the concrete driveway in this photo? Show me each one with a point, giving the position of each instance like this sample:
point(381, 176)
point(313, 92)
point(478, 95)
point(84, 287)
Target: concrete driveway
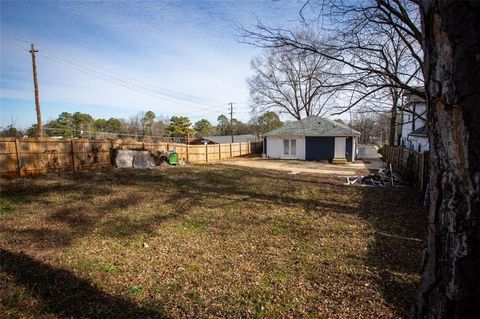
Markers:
point(370, 159)
point(297, 166)
point(367, 152)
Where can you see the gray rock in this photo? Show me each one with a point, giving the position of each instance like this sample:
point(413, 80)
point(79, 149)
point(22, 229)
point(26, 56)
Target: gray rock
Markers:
point(143, 159)
point(124, 158)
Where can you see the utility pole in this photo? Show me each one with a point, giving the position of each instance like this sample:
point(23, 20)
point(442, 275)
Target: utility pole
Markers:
point(231, 119)
point(37, 99)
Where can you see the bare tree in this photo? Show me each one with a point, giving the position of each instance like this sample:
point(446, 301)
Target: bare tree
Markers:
point(291, 82)
point(373, 127)
point(450, 286)
point(376, 43)
point(134, 125)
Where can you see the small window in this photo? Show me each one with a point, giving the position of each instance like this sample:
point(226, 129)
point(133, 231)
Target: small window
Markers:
point(419, 147)
point(289, 147)
point(293, 147)
point(286, 147)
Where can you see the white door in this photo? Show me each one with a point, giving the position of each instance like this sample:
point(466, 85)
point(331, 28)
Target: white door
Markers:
point(289, 147)
point(340, 144)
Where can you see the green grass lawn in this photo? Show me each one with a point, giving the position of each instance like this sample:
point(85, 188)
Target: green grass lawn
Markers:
point(206, 241)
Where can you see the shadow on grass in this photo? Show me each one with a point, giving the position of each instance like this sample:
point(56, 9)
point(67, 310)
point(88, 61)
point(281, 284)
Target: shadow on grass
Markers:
point(63, 294)
point(395, 254)
point(397, 221)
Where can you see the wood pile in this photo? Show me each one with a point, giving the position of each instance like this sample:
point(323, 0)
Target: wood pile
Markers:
point(379, 178)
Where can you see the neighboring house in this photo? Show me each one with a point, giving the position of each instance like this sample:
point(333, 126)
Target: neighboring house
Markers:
point(418, 139)
point(413, 133)
point(312, 138)
point(224, 139)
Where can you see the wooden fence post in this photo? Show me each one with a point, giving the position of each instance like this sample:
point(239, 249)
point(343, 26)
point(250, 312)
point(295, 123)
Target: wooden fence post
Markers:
point(19, 168)
point(220, 152)
point(112, 147)
point(240, 148)
point(206, 153)
point(249, 148)
point(73, 155)
point(231, 154)
point(188, 153)
point(168, 146)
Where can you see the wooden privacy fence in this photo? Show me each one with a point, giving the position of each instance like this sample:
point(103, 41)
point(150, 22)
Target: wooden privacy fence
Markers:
point(412, 164)
point(20, 157)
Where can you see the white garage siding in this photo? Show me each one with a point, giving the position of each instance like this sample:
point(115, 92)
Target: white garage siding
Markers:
point(354, 149)
point(275, 147)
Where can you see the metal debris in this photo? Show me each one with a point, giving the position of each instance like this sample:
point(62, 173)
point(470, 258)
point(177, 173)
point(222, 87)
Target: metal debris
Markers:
point(377, 178)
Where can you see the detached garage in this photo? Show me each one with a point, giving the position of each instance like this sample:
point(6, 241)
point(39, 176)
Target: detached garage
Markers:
point(314, 138)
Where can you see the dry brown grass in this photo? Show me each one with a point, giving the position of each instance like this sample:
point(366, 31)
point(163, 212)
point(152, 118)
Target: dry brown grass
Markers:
point(222, 242)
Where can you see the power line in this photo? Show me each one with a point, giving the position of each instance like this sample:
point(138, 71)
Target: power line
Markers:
point(135, 87)
point(126, 84)
point(163, 96)
point(130, 77)
point(147, 83)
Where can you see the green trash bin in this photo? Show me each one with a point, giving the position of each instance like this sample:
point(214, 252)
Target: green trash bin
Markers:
point(172, 158)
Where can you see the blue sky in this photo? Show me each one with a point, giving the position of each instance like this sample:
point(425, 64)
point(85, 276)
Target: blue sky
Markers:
point(117, 58)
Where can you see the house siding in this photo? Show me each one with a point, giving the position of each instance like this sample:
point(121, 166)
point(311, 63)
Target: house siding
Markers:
point(274, 147)
point(410, 122)
point(419, 143)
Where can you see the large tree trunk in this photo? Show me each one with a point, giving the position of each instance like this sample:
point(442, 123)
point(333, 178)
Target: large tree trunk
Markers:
point(450, 286)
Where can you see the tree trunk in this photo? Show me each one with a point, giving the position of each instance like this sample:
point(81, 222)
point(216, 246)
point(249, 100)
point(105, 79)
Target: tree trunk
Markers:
point(450, 286)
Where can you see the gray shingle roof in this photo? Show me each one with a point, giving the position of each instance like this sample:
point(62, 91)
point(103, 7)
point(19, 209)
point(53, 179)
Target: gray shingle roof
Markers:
point(422, 131)
point(225, 139)
point(313, 126)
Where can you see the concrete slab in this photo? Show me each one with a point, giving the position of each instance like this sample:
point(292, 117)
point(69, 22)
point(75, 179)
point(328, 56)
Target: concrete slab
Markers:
point(367, 152)
point(296, 166)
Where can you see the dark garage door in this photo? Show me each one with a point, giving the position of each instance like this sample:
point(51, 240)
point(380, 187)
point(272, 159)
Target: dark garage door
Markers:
point(319, 148)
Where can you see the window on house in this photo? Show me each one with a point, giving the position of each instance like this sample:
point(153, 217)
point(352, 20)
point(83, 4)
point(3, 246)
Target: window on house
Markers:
point(289, 147)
